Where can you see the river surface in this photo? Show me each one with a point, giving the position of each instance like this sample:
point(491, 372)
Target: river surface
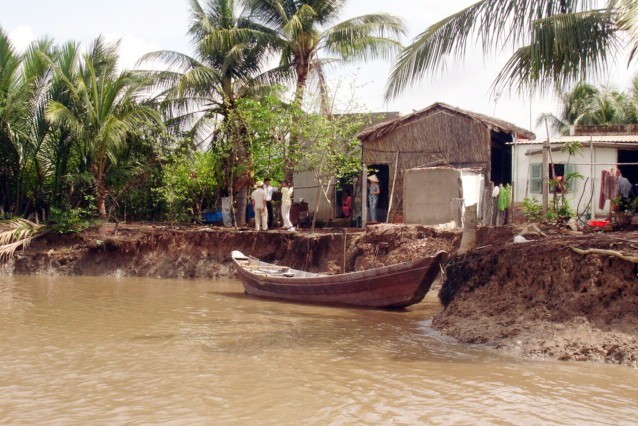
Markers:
point(78, 350)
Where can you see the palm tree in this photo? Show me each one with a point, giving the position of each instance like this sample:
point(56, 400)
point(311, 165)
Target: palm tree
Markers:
point(15, 105)
point(23, 129)
point(103, 112)
point(62, 153)
point(305, 29)
point(557, 42)
point(629, 109)
point(200, 92)
point(575, 107)
point(587, 105)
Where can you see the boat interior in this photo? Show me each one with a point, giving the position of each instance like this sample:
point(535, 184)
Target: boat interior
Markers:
point(258, 267)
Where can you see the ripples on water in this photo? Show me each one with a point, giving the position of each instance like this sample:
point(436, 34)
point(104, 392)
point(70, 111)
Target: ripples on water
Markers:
point(108, 350)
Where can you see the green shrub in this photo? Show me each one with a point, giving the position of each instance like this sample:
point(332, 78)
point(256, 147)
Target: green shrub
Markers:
point(532, 210)
point(69, 221)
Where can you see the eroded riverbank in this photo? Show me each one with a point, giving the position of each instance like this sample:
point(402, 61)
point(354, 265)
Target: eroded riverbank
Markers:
point(540, 298)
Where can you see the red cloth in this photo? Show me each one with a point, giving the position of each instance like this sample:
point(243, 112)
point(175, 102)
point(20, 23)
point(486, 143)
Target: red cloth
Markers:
point(608, 186)
point(346, 206)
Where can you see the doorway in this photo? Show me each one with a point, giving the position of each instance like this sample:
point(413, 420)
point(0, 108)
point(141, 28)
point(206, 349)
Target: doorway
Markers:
point(630, 172)
point(383, 174)
point(500, 160)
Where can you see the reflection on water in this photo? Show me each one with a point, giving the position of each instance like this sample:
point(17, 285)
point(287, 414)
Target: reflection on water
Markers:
point(107, 350)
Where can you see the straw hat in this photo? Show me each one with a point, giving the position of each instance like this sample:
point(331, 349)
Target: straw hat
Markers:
point(373, 178)
point(259, 184)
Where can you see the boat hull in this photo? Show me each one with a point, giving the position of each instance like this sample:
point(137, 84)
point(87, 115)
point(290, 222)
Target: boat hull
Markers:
point(392, 287)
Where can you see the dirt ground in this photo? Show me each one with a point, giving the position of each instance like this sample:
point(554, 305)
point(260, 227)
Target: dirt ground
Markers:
point(539, 299)
point(162, 251)
point(542, 299)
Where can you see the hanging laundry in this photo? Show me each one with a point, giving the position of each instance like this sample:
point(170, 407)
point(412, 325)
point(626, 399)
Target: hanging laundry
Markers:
point(624, 186)
point(608, 186)
point(505, 197)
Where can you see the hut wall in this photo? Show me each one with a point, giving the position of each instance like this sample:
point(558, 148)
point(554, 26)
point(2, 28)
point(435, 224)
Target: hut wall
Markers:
point(441, 138)
point(439, 195)
point(305, 186)
point(429, 193)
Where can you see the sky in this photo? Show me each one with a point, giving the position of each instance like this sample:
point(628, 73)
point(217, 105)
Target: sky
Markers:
point(147, 25)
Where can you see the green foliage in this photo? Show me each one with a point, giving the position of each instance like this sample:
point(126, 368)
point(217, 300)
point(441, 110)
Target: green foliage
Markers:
point(267, 124)
point(532, 209)
point(572, 147)
point(564, 211)
point(188, 181)
point(330, 147)
point(554, 42)
point(73, 124)
point(70, 221)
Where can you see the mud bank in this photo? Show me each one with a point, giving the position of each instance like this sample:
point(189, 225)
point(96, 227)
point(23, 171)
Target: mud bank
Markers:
point(538, 299)
point(204, 252)
point(542, 299)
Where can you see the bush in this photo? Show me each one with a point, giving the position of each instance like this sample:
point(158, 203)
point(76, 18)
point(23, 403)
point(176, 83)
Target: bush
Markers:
point(532, 210)
point(69, 221)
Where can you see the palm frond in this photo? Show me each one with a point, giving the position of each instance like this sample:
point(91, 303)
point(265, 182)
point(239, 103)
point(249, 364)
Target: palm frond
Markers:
point(18, 233)
point(495, 22)
point(365, 37)
point(564, 49)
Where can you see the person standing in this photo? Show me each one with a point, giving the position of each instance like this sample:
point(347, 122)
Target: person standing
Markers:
point(346, 204)
point(269, 191)
point(226, 208)
point(286, 203)
point(373, 196)
point(259, 205)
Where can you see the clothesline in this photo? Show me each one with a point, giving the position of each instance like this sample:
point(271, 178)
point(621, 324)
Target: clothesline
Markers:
point(604, 164)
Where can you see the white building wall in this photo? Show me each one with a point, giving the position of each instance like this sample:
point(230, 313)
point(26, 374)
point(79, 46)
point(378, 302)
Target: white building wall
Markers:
point(305, 187)
point(582, 187)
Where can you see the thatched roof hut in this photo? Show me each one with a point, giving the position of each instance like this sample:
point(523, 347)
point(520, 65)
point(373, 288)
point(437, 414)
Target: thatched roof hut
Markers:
point(439, 135)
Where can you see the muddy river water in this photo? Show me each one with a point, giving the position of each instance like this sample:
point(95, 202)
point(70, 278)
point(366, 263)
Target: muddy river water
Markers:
point(142, 351)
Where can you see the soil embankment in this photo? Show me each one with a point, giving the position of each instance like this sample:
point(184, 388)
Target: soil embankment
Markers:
point(204, 252)
point(540, 298)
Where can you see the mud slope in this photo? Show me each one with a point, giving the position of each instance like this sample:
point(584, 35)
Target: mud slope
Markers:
point(544, 300)
point(204, 252)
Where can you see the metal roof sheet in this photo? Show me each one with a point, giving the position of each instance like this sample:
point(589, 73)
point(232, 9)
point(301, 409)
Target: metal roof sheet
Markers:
point(598, 139)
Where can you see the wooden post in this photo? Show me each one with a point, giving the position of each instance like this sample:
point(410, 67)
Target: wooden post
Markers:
point(364, 196)
point(457, 211)
point(545, 173)
point(468, 240)
point(345, 245)
point(592, 206)
point(394, 181)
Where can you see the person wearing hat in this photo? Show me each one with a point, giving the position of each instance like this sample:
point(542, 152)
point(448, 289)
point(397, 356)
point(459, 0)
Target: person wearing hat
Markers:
point(259, 205)
point(373, 196)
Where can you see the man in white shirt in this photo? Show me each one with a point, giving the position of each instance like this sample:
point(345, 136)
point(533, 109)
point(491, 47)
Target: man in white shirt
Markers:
point(269, 191)
point(259, 205)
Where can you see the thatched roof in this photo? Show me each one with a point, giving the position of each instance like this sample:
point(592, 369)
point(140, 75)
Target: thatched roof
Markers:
point(382, 129)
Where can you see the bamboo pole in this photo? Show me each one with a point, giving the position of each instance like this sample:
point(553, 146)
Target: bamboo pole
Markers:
point(545, 174)
point(394, 181)
point(591, 174)
point(364, 196)
point(345, 246)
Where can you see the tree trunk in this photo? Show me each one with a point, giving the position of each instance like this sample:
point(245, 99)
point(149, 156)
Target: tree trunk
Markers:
point(100, 196)
point(293, 149)
point(242, 200)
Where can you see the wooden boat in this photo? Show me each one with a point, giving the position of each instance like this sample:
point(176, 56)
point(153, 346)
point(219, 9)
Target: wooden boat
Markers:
point(395, 286)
